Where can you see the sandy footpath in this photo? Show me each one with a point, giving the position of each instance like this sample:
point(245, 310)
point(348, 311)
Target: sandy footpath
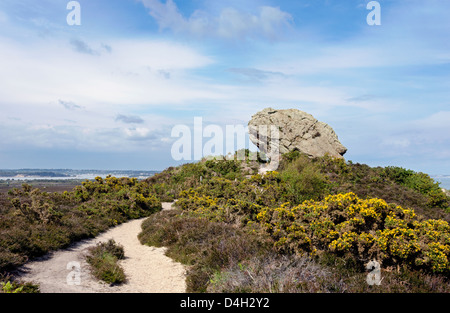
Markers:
point(147, 269)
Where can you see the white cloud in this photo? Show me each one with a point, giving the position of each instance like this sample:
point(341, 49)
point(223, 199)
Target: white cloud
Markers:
point(137, 133)
point(69, 105)
point(47, 70)
point(439, 120)
point(396, 142)
point(82, 47)
point(45, 82)
point(254, 74)
point(129, 119)
point(354, 55)
point(229, 23)
point(427, 138)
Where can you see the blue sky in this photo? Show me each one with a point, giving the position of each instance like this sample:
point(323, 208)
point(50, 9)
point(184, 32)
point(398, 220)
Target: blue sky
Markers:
point(106, 94)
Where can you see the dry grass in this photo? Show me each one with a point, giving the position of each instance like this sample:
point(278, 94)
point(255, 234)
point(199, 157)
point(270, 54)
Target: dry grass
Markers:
point(271, 273)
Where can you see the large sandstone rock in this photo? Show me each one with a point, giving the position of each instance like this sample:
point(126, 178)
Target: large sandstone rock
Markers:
point(297, 130)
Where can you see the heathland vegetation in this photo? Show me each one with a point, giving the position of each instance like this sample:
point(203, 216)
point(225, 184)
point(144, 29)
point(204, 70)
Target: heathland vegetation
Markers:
point(310, 226)
point(35, 222)
point(104, 258)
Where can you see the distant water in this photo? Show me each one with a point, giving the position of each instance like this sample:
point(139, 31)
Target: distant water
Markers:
point(78, 177)
point(444, 180)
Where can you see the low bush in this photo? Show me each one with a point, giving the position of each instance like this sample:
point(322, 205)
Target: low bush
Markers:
point(272, 273)
point(303, 180)
point(420, 182)
point(169, 183)
point(104, 258)
point(8, 285)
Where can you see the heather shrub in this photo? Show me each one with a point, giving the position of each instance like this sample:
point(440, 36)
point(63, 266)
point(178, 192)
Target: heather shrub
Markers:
point(205, 246)
point(104, 258)
point(271, 273)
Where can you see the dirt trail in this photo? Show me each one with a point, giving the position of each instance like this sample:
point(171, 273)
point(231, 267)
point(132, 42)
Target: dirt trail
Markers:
point(147, 269)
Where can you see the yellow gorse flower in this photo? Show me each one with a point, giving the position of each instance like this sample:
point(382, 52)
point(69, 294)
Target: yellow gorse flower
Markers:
point(341, 223)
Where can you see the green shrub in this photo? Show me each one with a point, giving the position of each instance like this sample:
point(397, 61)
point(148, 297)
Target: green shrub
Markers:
point(224, 167)
point(419, 182)
point(104, 258)
point(303, 180)
point(9, 285)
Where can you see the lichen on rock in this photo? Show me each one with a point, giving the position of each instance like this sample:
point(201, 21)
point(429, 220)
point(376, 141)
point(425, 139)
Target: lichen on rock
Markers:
point(281, 131)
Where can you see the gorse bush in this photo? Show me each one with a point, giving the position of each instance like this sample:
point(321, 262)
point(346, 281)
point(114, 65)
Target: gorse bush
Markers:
point(270, 189)
point(362, 228)
point(169, 183)
point(231, 210)
point(227, 168)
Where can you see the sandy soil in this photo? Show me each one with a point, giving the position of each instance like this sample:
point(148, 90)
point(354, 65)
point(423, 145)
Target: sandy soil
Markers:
point(147, 268)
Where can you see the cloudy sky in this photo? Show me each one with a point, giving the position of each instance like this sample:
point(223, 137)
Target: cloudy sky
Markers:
point(106, 94)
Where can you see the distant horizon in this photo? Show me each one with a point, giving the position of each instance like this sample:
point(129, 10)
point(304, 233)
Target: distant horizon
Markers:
point(72, 169)
point(180, 163)
point(444, 175)
point(444, 184)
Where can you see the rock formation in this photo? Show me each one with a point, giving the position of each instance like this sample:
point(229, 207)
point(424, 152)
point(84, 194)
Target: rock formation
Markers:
point(296, 130)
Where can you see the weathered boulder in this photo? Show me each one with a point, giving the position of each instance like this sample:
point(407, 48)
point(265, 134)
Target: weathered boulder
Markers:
point(297, 130)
